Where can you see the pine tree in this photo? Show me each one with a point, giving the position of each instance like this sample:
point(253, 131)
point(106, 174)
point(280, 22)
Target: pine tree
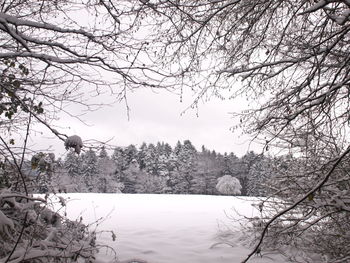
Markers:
point(151, 160)
point(181, 180)
point(163, 165)
point(160, 148)
point(246, 163)
point(167, 149)
point(141, 155)
point(103, 153)
point(72, 163)
point(107, 182)
point(232, 164)
point(129, 177)
point(73, 166)
point(90, 171)
point(130, 154)
point(177, 148)
point(118, 157)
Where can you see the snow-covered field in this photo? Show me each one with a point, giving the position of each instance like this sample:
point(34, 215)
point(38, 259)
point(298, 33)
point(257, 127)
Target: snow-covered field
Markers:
point(167, 228)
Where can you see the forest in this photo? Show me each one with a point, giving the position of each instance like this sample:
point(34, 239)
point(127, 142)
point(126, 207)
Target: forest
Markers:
point(156, 169)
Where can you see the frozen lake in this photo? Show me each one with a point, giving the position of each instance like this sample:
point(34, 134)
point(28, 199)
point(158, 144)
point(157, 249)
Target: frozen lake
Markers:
point(166, 228)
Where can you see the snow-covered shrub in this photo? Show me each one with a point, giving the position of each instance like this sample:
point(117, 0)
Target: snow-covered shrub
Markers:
point(44, 162)
point(30, 229)
point(7, 174)
point(31, 232)
point(41, 170)
point(228, 185)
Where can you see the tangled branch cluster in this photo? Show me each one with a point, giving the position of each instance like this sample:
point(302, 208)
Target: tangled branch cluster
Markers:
point(31, 232)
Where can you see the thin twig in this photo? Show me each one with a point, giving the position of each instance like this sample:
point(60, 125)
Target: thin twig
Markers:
point(26, 140)
point(312, 191)
point(16, 164)
point(19, 238)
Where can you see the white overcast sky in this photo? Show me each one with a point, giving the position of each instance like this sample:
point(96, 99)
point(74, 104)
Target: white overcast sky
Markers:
point(155, 117)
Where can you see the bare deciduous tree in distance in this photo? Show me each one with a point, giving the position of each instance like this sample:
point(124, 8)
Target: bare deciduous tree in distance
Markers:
point(228, 185)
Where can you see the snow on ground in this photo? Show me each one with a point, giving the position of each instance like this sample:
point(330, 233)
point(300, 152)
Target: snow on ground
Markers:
point(167, 228)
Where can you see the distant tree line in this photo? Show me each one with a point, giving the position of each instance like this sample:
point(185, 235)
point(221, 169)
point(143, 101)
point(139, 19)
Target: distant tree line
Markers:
point(158, 168)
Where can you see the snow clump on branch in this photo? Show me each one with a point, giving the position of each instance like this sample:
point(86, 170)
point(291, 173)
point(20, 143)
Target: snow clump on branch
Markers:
point(75, 142)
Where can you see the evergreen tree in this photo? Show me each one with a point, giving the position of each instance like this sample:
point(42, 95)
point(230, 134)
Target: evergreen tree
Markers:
point(181, 180)
point(103, 153)
point(163, 165)
point(129, 177)
point(203, 150)
point(167, 149)
point(73, 166)
point(72, 163)
point(232, 164)
point(151, 160)
point(141, 155)
point(177, 148)
point(246, 163)
point(107, 182)
point(130, 154)
point(118, 157)
point(90, 170)
point(160, 148)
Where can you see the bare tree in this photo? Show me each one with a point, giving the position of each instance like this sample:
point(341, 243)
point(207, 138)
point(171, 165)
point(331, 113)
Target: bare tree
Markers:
point(291, 59)
point(57, 53)
point(228, 185)
point(52, 54)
